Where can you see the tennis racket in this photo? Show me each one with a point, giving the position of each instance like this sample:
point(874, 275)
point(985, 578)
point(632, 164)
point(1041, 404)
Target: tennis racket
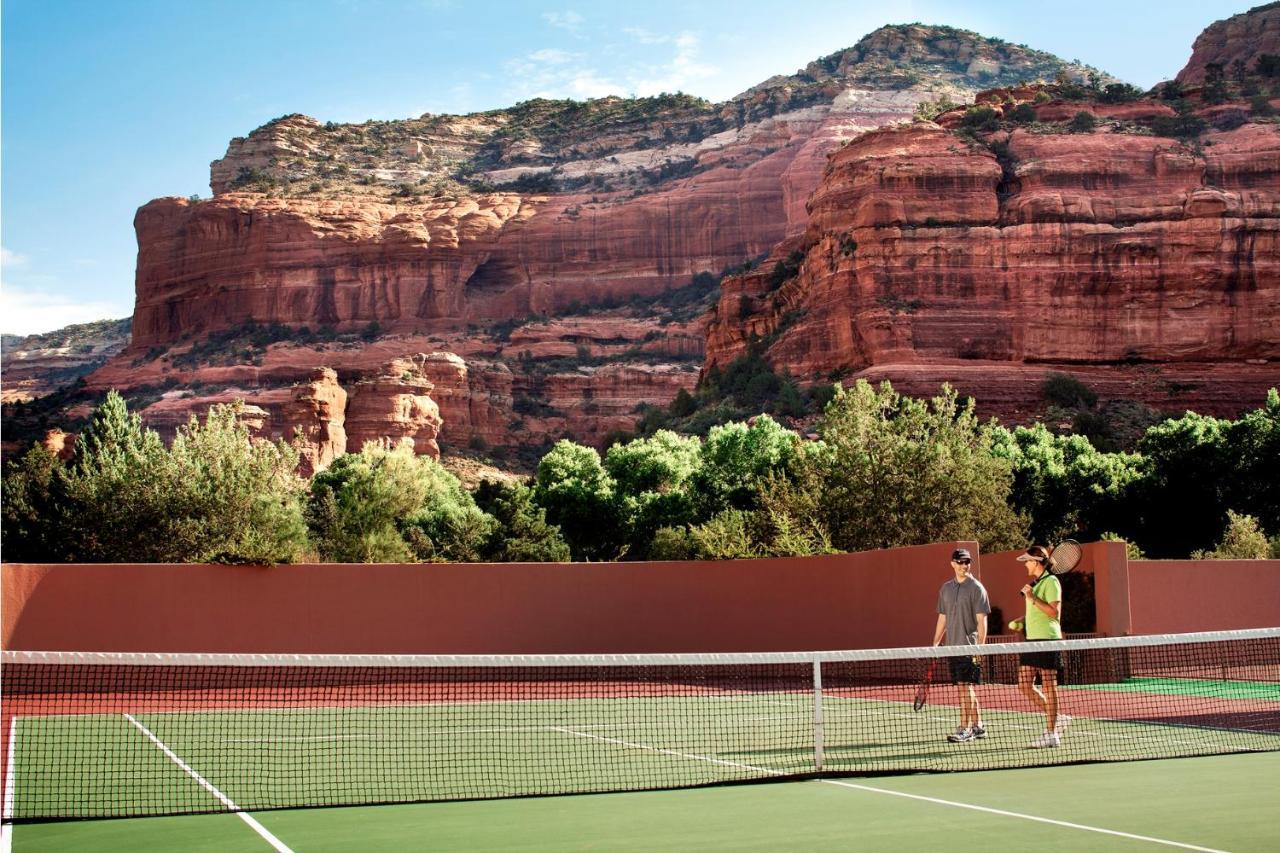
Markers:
point(1065, 557)
point(922, 692)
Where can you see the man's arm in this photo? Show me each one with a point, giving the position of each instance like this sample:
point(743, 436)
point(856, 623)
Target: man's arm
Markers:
point(982, 628)
point(940, 629)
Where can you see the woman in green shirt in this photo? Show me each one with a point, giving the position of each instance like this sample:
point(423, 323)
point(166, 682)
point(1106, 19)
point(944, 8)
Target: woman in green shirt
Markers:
point(1043, 621)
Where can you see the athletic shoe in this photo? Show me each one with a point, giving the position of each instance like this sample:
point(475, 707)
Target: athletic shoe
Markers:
point(1048, 740)
point(961, 735)
point(979, 730)
point(1064, 720)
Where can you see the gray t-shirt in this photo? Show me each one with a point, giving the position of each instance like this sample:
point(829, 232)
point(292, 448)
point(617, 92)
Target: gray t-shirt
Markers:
point(961, 602)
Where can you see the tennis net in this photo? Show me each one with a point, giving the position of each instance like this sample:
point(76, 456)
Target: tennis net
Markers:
point(110, 735)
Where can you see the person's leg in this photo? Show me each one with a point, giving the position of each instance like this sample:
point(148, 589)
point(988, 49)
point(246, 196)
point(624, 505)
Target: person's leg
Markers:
point(962, 697)
point(1050, 679)
point(1027, 684)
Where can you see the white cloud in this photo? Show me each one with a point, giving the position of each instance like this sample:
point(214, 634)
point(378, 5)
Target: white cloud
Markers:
point(9, 258)
point(644, 36)
point(555, 73)
point(570, 21)
point(682, 73)
point(551, 73)
point(25, 312)
point(552, 56)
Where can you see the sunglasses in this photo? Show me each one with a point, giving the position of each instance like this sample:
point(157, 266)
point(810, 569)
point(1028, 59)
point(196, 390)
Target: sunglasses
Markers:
point(962, 562)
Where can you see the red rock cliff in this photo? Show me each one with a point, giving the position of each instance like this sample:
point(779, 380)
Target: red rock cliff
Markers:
point(429, 234)
point(1239, 39)
point(1122, 254)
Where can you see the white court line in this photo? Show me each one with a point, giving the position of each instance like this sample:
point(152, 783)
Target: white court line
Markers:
point(10, 776)
point(1020, 816)
point(689, 755)
point(204, 783)
point(857, 787)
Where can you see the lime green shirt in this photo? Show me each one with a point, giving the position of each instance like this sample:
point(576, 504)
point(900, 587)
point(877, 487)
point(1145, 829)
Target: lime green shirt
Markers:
point(1040, 625)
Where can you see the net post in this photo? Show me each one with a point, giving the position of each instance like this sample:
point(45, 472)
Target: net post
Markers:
point(817, 715)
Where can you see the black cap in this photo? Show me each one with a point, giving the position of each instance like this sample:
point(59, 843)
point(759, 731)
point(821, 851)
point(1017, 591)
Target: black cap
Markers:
point(960, 554)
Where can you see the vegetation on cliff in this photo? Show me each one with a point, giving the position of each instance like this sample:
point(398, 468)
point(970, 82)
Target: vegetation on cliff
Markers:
point(881, 470)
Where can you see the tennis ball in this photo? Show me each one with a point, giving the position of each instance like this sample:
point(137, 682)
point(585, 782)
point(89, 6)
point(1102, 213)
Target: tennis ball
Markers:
point(1015, 624)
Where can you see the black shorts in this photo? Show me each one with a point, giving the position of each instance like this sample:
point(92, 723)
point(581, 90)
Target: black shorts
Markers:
point(1041, 660)
point(965, 671)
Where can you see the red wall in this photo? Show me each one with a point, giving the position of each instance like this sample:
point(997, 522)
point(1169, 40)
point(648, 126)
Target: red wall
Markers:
point(866, 600)
point(1173, 596)
point(874, 599)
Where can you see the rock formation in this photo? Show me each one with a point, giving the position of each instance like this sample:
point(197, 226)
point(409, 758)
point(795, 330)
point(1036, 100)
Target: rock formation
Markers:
point(36, 365)
point(458, 235)
point(1239, 39)
point(553, 260)
point(1141, 261)
point(394, 406)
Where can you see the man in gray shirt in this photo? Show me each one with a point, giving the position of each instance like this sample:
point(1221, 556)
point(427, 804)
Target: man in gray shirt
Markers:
point(962, 621)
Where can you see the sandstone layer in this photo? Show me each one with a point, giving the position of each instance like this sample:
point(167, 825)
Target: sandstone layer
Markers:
point(1234, 44)
point(532, 253)
point(932, 256)
point(36, 365)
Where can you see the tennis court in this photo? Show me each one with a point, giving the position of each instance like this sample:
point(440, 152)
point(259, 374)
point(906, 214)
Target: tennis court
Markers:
point(187, 737)
point(1214, 803)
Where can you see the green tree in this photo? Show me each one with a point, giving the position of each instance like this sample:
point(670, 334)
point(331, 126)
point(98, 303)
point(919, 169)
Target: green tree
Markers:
point(523, 534)
point(114, 491)
point(578, 496)
point(30, 528)
point(905, 471)
point(1195, 468)
point(447, 525)
point(357, 504)
point(653, 480)
point(1066, 486)
point(232, 499)
point(736, 458)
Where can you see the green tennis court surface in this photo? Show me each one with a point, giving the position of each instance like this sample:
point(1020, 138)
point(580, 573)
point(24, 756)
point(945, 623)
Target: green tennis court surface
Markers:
point(1217, 803)
point(172, 762)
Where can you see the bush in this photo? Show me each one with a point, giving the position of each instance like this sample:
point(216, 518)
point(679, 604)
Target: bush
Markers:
point(1022, 114)
point(522, 534)
point(214, 496)
point(1083, 122)
point(1230, 119)
point(981, 118)
point(1242, 540)
point(1063, 389)
point(1131, 551)
point(1178, 127)
point(1119, 93)
point(388, 506)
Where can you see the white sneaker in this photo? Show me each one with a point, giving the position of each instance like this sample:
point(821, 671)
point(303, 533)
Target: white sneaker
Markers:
point(1048, 740)
point(960, 735)
point(1064, 720)
point(979, 730)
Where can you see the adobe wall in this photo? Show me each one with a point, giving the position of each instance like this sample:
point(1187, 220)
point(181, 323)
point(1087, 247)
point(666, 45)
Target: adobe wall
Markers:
point(1175, 596)
point(865, 600)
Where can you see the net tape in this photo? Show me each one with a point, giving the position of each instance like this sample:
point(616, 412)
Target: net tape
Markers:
point(712, 659)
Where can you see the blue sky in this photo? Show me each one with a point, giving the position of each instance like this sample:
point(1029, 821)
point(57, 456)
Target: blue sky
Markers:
point(107, 105)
